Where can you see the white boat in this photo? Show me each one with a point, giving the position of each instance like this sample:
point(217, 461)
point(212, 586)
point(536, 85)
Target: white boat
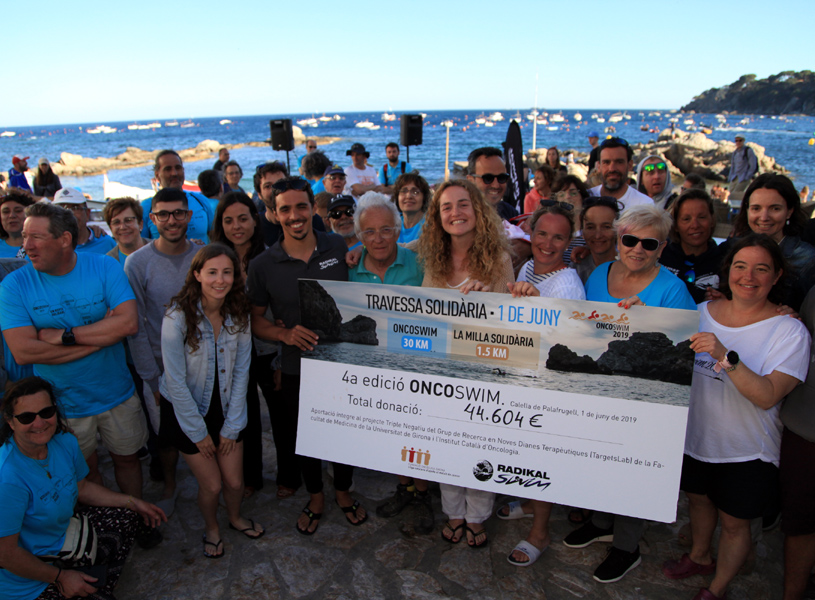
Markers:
point(578, 117)
point(601, 119)
point(626, 116)
point(447, 123)
point(489, 124)
point(312, 122)
point(374, 128)
point(7, 134)
point(388, 117)
point(496, 116)
point(615, 118)
point(324, 119)
point(517, 117)
point(114, 189)
point(187, 124)
point(366, 124)
point(688, 122)
point(594, 115)
point(533, 115)
point(338, 118)
point(744, 121)
point(224, 122)
point(481, 119)
point(541, 120)
point(553, 128)
point(101, 129)
point(171, 123)
point(133, 126)
point(557, 118)
point(424, 115)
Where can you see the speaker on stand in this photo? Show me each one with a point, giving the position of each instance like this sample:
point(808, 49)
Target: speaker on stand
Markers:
point(282, 137)
point(411, 133)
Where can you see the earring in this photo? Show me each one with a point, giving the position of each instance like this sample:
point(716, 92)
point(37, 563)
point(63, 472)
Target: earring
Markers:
point(788, 221)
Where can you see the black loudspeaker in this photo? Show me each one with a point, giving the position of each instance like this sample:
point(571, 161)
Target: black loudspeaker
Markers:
point(282, 134)
point(411, 130)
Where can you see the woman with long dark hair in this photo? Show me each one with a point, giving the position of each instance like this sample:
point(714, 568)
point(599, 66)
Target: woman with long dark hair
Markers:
point(46, 182)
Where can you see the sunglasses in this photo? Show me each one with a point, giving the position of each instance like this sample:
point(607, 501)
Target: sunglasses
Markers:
point(563, 205)
point(488, 178)
point(658, 166)
point(27, 418)
point(293, 183)
point(606, 201)
point(614, 141)
point(648, 244)
point(339, 212)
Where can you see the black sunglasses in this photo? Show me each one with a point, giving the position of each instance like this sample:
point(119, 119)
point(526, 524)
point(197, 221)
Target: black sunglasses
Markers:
point(648, 244)
point(606, 201)
point(27, 418)
point(339, 212)
point(292, 183)
point(563, 205)
point(488, 178)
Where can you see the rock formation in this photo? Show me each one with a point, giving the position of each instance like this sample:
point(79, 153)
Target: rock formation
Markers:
point(648, 355)
point(319, 313)
point(786, 93)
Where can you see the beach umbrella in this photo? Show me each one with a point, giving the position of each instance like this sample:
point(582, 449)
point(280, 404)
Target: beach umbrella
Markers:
point(514, 159)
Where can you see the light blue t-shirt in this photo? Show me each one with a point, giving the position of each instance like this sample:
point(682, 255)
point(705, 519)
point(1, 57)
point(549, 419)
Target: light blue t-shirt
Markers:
point(198, 228)
point(409, 234)
point(317, 186)
point(99, 245)
point(665, 291)
point(37, 507)
point(7, 251)
point(98, 382)
point(388, 174)
point(405, 270)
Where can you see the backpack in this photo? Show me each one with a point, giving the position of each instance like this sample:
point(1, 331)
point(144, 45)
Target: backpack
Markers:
point(385, 169)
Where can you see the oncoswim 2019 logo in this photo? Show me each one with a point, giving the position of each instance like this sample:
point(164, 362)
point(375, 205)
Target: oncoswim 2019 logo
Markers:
point(509, 475)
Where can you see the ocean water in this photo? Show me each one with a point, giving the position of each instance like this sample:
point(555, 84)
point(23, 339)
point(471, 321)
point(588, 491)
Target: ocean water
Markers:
point(785, 138)
point(630, 388)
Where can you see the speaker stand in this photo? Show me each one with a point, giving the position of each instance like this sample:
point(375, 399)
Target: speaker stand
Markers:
point(288, 164)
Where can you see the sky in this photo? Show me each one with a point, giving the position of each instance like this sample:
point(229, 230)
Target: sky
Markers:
point(79, 62)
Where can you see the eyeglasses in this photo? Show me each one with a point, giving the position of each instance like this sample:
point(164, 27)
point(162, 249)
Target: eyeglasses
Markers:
point(178, 214)
point(387, 233)
point(336, 177)
point(311, 147)
point(606, 201)
point(488, 178)
point(563, 205)
point(339, 212)
point(292, 183)
point(415, 192)
point(658, 166)
point(572, 193)
point(125, 221)
point(648, 244)
point(614, 141)
point(73, 207)
point(27, 418)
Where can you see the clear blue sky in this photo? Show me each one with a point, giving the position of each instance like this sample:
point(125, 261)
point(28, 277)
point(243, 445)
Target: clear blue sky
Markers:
point(69, 62)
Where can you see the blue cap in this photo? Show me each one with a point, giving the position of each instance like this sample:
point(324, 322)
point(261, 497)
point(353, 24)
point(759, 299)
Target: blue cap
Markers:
point(594, 134)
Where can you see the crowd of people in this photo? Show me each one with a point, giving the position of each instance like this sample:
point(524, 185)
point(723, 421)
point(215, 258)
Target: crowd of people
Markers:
point(167, 349)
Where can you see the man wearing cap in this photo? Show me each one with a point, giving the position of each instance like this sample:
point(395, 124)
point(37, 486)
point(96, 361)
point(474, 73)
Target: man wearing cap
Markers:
point(341, 216)
point(333, 181)
point(87, 240)
point(392, 169)
point(16, 175)
point(360, 177)
point(743, 166)
point(614, 164)
point(594, 155)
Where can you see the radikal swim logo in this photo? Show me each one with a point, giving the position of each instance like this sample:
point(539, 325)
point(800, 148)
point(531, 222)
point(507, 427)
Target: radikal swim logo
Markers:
point(509, 475)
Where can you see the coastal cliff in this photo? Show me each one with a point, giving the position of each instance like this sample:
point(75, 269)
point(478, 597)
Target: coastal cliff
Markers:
point(786, 93)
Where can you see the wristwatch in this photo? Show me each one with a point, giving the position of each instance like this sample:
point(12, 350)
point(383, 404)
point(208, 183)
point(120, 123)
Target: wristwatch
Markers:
point(68, 337)
point(730, 360)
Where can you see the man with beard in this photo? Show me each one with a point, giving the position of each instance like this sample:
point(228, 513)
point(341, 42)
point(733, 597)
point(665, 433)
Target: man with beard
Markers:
point(341, 216)
point(16, 175)
point(614, 164)
point(266, 176)
point(169, 170)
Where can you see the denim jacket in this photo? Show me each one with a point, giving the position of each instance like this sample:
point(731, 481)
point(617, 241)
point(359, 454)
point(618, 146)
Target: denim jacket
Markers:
point(189, 376)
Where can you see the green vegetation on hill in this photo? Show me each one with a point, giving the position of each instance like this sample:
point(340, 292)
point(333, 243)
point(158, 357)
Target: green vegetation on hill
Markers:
point(783, 94)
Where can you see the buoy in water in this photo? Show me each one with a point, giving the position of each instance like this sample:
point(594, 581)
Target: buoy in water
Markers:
point(812, 141)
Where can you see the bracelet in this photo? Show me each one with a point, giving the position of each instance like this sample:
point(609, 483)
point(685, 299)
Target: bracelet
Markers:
point(56, 579)
point(129, 500)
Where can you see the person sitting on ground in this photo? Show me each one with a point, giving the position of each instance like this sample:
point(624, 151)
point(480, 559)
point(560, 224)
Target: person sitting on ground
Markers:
point(691, 253)
point(654, 180)
point(463, 247)
point(411, 194)
point(46, 182)
point(541, 190)
point(748, 357)
point(42, 476)
point(206, 346)
point(12, 216)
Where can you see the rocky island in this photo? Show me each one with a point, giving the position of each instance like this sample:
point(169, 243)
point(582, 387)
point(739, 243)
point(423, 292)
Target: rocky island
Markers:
point(786, 93)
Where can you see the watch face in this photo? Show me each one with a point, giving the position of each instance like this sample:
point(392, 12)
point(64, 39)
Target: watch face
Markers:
point(733, 357)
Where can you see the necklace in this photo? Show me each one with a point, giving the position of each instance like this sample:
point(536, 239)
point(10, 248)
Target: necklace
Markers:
point(44, 467)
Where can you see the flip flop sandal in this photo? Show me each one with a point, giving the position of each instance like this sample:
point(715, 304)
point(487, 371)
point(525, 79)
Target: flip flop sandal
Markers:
point(531, 552)
point(514, 511)
point(259, 534)
point(453, 532)
point(215, 545)
point(475, 534)
point(349, 510)
point(312, 516)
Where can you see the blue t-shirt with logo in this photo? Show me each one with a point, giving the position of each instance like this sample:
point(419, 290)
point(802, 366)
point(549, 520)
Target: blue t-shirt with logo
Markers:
point(38, 498)
point(197, 229)
point(98, 382)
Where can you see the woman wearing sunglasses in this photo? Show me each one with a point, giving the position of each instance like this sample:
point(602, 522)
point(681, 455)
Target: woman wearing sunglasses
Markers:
point(42, 476)
point(463, 247)
point(748, 358)
point(654, 180)
point(635, 278)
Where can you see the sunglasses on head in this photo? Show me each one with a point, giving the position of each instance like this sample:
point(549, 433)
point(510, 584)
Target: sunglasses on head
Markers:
point(648, 244)
point(488, 178)
point(615, 141)
point(294, 183)
point(27, 418)
point(606, 201)
point(658, 167)
point(339, 212)
point(563, 205)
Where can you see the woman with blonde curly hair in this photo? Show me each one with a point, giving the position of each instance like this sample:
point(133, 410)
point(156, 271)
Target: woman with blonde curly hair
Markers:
point(463, 247)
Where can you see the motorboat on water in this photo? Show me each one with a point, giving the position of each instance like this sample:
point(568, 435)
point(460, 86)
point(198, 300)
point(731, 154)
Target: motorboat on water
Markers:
point(388, 117)
point(101, 129)
point(578, 116)
point(224, 122)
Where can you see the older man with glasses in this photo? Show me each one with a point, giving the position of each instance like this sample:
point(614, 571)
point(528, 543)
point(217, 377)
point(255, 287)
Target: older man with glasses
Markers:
point(88, 240)
point(341, 216)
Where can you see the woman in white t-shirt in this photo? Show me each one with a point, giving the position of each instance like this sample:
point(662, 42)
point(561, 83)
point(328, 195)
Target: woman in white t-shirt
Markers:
point(748, 358)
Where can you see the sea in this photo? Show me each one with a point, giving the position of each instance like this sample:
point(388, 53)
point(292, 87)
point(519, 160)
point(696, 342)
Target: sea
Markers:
point(786, 138)
point(613, 386)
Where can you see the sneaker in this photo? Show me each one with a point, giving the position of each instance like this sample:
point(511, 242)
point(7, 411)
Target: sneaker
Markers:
point(397, 503)
point(617, 564)
point(425, 519)
point(587, 535)
point(143, 453)
point(148, 537)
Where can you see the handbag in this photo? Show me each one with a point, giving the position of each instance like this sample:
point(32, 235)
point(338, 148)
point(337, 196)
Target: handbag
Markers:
point(79, 548)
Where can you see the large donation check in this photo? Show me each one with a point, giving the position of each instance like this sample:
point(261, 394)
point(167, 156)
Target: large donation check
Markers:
point(577, 403)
